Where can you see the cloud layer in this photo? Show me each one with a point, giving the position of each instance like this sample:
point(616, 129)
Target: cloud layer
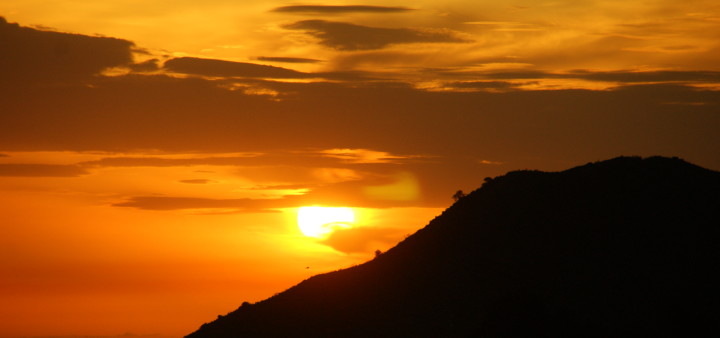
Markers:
point(355, 125)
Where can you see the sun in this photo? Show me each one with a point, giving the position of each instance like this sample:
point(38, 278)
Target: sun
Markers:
point(319, 222)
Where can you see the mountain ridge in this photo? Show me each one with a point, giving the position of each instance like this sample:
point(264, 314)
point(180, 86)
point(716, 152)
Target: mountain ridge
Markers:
point(588, 251)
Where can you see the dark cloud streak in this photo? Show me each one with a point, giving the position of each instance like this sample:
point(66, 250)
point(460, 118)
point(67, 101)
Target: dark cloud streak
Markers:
point(656, 76)
point(278, 157)
point(211, 67)
point(31, 55)
point(251, 71)
point(40, 170)
point(310, 9)
point(491, 85)
point(179, 203)
point(287, 59)
point(197, 181)
point(349, 37)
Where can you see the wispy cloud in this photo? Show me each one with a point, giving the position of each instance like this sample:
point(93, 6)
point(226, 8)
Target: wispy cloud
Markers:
point(377, 190)
point(488, 162)
point(198, 181)
point(178, 203)
point(362, 155)
point(159, 161)
point(483, 85)
point(620, 76)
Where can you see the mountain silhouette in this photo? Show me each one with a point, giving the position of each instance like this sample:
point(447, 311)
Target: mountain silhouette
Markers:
point(619, 248)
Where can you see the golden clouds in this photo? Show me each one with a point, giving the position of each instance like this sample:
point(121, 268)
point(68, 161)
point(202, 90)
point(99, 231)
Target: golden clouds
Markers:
point(382, 41)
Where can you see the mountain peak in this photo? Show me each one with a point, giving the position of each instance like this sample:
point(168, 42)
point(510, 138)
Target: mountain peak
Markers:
point(613, 248)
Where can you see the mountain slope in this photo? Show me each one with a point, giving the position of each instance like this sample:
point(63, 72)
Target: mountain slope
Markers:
point(617, 248)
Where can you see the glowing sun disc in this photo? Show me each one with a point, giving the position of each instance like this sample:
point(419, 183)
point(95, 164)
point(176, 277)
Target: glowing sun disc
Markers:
point(319, 222)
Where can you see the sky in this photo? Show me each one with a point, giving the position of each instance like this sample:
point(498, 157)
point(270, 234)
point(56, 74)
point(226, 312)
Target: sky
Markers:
point(154, 154)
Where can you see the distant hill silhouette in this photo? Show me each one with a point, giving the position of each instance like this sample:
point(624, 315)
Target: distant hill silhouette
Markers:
point(621, 248)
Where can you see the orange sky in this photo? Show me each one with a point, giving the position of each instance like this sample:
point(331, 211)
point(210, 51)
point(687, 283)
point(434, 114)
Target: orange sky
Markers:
point(153, 154)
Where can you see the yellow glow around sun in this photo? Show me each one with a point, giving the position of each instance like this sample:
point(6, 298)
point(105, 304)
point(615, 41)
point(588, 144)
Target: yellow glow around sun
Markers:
point(319, 222)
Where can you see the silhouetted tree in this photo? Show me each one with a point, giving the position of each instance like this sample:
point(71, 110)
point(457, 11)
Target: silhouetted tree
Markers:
point(378, 252)
point(458, 195)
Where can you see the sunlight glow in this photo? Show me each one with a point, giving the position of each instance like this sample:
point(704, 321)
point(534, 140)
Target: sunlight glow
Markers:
point(319, 222)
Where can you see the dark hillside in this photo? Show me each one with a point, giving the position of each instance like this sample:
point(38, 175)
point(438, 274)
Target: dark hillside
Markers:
point(624, 247)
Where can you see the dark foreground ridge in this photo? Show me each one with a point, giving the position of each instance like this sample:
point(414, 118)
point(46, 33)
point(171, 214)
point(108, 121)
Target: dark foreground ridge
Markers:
point(624, 247)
